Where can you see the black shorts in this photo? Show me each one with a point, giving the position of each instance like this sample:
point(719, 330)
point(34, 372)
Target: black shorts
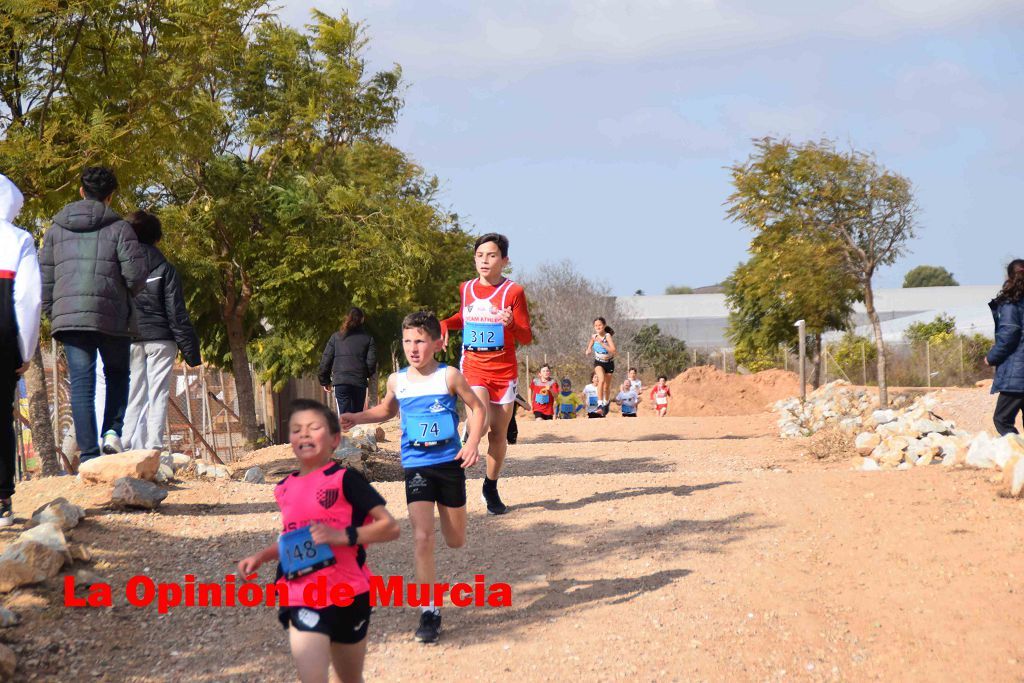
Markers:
point(542, 416)
point(444, 483)
point(608, 365)
point(341, 624)
point(629, 415)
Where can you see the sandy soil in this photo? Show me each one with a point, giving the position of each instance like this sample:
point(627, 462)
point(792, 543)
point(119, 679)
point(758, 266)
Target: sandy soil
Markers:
point(674, 549)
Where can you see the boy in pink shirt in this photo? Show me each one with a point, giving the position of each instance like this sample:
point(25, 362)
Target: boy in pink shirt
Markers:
point(328, 514)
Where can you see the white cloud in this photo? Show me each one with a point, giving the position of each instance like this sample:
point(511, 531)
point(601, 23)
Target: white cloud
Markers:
point(494, 35)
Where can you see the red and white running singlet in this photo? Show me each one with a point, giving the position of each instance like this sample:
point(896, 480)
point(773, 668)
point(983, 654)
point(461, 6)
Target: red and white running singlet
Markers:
point(489, 346)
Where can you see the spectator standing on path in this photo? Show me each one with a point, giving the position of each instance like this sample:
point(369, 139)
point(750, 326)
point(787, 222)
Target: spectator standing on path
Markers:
point(1007, 354)
point(349, 360)
point(91, 265)
point(163, 327)
point(19, 328)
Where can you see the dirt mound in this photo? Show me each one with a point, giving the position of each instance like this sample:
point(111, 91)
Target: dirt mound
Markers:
point(707, 391)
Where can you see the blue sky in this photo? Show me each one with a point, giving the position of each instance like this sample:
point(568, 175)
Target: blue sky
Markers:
point(600, 131)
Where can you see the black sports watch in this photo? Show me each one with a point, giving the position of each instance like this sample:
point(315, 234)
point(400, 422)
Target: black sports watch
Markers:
point(353, 538)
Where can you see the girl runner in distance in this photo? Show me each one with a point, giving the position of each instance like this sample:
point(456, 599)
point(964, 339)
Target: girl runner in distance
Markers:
point(603, 346)
point(493, 318)
point(660, 394)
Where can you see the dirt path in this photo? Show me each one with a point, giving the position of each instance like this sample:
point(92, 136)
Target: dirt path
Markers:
point(675, 549)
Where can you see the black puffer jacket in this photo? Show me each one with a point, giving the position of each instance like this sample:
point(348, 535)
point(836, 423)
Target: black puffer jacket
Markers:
point(91, 263)
point(160, 311)
point(348, 360)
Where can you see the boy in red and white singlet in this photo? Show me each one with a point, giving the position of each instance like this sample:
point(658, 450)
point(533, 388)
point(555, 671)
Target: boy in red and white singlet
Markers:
point(328, 516)
point(493, 317)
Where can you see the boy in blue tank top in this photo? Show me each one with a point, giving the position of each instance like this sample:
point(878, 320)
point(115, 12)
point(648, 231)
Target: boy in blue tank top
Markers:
point(433, 456)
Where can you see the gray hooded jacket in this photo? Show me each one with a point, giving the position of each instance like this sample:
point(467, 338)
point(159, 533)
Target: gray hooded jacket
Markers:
point(91, 264)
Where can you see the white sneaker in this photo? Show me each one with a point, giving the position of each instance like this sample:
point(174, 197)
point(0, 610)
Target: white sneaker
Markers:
point(112, 443)
point(6, 513)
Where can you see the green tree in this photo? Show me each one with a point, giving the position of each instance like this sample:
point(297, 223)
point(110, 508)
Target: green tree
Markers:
point(939, 330)
point(99, 82)
point(929, 276)
point(787, 278)
point(295, 207)
point(678, 289)
point(663, 353)
point(846, 199)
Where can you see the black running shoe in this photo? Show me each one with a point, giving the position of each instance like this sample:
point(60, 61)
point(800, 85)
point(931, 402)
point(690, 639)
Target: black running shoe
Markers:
point(430, 627)
point(493, 501)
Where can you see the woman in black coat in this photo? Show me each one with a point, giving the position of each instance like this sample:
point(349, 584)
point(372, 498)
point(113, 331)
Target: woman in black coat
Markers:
point(1007, 354)
point(349, 360)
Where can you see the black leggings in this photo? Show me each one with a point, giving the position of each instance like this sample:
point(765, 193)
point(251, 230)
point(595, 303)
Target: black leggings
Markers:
point(1007, 407)
point(8, 442)
point(351, 399)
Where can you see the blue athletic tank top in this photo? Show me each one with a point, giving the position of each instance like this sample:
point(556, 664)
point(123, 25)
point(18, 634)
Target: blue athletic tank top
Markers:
point(430, 423)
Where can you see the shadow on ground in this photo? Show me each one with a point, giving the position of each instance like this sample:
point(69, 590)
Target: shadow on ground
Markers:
point(630, 492)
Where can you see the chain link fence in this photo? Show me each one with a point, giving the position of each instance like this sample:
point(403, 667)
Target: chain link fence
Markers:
point(202, 413)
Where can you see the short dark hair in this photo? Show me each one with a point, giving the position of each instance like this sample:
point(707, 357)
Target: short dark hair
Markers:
point(147, 226)
point(301, 405)
point(662, 377)
point(423, 320)
point(632, 370)
point(498, 239)
point(98, 183)
point(546, 365)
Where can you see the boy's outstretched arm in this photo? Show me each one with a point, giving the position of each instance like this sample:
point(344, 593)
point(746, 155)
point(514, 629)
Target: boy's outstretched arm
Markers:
point(385, 410)
point(470, 451)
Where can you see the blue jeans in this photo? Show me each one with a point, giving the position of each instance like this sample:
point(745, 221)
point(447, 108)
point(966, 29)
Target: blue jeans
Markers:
point(81, 349)
point(351, 398)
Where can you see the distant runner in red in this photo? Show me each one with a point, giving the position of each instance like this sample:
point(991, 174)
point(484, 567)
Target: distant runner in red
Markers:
point(493, 318)
point(660, 395)
point(543, 390)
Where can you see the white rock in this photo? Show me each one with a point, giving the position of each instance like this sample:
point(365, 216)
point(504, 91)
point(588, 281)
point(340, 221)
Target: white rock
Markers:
point(866, 442)
point(882, 417)
point(59, 512)
point(1013, 476)
point(164, 474)
point(1005, 447)
point(36, 555)
point(137, 493)
point(904, 466)
point(105, 469)
point(869, 465)
point(254, 475)
point(979, 454)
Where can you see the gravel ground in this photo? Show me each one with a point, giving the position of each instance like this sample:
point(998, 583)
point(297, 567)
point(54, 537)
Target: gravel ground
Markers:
point(645, 549)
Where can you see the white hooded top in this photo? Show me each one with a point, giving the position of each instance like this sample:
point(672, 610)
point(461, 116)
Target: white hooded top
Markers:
point(18, 255)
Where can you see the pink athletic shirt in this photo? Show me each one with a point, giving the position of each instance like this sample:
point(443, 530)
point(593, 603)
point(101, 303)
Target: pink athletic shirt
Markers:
point(336, 497)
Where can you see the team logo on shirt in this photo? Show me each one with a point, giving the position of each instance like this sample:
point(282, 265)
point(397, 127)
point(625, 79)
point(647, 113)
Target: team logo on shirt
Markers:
point(327, 498)
point(437, 407)
point(308, 617)
point(416, 483)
